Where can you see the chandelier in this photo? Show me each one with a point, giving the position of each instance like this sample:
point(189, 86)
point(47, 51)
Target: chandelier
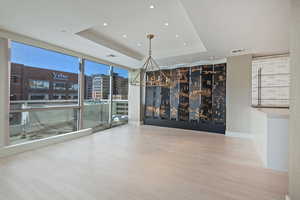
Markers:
point(150, 74)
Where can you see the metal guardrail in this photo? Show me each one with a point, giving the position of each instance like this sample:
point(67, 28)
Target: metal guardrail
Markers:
point(46, 104)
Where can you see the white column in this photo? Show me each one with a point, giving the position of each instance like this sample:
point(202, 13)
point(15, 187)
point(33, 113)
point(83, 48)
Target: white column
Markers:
point(4, 91)
point(135, 104)
point(238, 95)
point(294, 127)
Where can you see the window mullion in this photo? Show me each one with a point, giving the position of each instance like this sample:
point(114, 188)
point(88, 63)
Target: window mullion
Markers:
point(110, 94)
point(81, 93)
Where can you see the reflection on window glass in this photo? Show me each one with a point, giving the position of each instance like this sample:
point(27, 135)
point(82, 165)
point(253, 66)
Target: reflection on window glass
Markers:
point(96, 97)
point(120, 96)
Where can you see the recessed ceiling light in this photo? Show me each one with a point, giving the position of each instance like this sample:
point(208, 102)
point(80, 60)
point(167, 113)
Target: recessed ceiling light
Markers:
point(184, 43)
point(152, 6)
point(139, 44)
point(166, 24)
point(124, 36)
point(177, 36)
point(105, 24)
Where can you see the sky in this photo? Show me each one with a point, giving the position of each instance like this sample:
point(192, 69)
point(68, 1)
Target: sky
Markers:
point(41, 58)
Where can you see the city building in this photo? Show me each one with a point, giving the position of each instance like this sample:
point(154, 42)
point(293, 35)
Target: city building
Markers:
point(32, 83)
point(120, 91)
point(101, 86)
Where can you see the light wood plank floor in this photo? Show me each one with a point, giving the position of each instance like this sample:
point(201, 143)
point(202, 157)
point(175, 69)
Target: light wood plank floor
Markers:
point(146, 163)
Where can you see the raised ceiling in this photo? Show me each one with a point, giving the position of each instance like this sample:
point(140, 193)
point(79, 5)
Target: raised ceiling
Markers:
point(257, 26)
point(168, 21)
point(187, 30)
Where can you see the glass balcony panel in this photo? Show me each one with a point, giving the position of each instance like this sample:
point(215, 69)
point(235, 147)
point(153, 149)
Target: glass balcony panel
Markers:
point(34, 125)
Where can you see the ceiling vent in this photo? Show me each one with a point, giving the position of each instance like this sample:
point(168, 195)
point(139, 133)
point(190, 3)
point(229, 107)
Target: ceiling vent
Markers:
point(238, 51)
point(111, 56)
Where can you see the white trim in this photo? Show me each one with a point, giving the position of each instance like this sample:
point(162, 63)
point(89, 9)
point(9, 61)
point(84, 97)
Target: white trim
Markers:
point(4, 90)
point(238, 135)
point(202, 62)
point(19, 148)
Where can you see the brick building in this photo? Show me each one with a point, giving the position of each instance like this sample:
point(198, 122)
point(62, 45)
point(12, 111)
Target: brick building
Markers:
point(31, 83)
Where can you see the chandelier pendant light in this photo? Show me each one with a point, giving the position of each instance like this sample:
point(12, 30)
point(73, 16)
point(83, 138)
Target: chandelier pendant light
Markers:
point(150, 73)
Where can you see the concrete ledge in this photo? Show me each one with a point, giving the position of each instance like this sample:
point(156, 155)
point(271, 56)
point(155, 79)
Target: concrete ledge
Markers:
point(31, 145)
point(239, 135)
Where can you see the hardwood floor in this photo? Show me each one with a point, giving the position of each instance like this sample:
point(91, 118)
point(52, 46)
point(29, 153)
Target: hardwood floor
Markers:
point(146, 163)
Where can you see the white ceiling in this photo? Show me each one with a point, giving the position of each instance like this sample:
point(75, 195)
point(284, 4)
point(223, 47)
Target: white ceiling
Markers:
point(258, 26)
point(208, 28)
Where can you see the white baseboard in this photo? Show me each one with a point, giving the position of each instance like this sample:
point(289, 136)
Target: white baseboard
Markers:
point(27, 146)
point(239, 135)
point(135, 123)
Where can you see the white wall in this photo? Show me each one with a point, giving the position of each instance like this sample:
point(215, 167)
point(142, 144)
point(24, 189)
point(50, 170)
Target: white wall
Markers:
point(270, 134)
point(259, 129)
point(294, 127)
point(4, 91)
point(134, 101)
point(238, 94)
point(277, 157)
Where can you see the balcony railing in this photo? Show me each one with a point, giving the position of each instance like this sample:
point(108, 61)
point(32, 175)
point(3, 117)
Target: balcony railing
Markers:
point(36, 119)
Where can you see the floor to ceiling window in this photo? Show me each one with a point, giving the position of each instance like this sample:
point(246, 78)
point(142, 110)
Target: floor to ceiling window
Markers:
point(45, 94)
point(96, 96)
point(119, 96)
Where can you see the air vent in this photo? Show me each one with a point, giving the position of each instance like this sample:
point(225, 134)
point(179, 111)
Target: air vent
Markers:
point(111, 55)
point(238, 51)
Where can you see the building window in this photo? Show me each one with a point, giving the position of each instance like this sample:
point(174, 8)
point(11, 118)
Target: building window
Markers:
point(37, 96)
point(14, 79)
point(271, 82)
point(59, 86)
point(73, 87)
point(56, 96)
point(38, 84)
